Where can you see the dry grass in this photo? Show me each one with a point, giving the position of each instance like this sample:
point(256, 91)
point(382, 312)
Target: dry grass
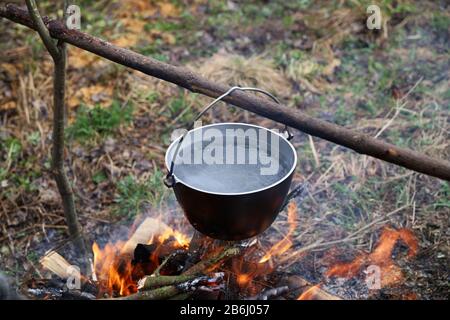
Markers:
point(255, 71)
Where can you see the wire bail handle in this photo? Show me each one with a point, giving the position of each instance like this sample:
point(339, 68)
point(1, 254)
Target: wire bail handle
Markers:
point(169, 180)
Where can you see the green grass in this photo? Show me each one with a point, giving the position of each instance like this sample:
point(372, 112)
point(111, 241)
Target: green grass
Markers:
point(98, 121)
point(223, 19)
point(443, 201)
point(389, 7)
point(344, 115)
point(133, 194)
point(181, 108)
point(16, 170)
point(440, 22)
point(34, 138)
point(11, 148)
point(99, 177)
point(154, 50)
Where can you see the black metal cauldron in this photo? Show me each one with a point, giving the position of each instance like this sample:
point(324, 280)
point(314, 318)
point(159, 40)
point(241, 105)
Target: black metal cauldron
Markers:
point(231, 179)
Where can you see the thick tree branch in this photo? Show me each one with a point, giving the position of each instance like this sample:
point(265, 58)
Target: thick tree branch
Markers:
point(185, 78)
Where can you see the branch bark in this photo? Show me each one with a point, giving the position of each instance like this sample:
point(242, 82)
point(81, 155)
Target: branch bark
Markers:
point(214, 260)
point(176, 288)
point(58, 53)
point(185, 78)
point(42, 29)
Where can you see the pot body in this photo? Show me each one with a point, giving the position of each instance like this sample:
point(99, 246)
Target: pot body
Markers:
point(232, 217)
point(232, 202)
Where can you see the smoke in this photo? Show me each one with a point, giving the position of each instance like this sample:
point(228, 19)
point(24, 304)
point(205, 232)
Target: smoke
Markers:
point(6, 291)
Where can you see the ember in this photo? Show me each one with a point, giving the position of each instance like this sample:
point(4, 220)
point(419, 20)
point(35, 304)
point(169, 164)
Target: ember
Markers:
point(380, 257)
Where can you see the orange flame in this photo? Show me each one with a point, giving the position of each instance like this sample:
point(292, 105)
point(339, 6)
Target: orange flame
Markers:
point(243, 279)
point(246, 269)
point(286, 243)
point(182, 240)
point(381, 257)
point(114, 269)
point(309, 294)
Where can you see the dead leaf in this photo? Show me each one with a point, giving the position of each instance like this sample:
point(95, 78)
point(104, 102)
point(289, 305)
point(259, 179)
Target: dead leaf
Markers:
point(132, 8)
point(167, 10)
point(10, 69)
point(80, 58)
point(128, 40)
point(93, 95)
point(48, 196)
point(10, 105)
point(329, 69)
point(168, 38)
point(134, 25)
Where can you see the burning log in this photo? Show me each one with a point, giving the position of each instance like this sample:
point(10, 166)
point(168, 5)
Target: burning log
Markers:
point(148, 229)
point(164, 287)
point(218, 258)
point(197, 247)
point(151, 282)
point(173, 263)
point(181, 296)
point(171, 291)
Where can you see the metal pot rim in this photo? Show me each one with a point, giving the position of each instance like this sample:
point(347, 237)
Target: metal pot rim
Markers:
point(294, 164)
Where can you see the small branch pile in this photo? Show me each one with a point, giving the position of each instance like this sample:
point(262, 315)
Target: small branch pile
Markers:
point(199, 276)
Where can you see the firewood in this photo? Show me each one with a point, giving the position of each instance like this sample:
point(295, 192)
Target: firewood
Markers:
point(173, 263)
point(151, 282)
point(161, 293)
point(55, 263)
point(167, 292)
point(218, 258)
point(148, 229)
point(197, 247)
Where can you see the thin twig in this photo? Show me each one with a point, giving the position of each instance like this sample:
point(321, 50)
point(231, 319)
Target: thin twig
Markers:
point(42, 29)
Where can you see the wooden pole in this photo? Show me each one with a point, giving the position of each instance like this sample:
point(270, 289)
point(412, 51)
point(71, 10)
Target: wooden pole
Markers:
point(58, 52)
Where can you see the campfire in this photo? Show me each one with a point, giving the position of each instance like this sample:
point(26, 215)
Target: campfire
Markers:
point(160, 262)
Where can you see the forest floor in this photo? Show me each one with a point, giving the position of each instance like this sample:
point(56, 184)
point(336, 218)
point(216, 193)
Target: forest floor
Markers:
point(316, 56)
